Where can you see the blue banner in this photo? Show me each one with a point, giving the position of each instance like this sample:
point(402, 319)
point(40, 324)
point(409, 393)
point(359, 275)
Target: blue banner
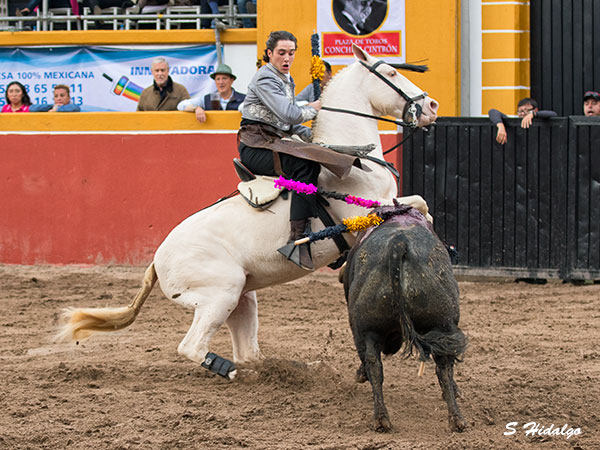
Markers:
point(103, 78)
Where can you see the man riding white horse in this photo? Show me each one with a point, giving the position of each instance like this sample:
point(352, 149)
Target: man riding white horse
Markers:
point(269, 115)
point(214, 261)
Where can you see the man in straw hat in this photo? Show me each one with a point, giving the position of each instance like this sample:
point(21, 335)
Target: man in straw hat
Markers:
point(224, 98)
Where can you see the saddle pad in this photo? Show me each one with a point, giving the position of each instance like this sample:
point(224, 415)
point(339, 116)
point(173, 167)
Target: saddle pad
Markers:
point(260, 191)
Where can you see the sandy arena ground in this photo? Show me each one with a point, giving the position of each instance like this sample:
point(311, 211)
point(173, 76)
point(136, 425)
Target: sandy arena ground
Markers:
point(534, 356)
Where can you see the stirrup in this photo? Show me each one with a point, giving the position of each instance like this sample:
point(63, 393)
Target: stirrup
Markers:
point(218, 364)
point(292, 253)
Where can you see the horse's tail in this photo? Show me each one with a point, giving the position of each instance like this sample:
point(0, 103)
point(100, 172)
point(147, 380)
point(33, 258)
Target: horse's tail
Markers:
point(82, 322)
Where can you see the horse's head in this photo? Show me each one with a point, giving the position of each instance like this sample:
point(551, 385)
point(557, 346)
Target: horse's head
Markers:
point(392, 94)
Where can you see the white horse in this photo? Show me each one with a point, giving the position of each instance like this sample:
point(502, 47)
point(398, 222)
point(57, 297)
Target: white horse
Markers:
point(215, 260)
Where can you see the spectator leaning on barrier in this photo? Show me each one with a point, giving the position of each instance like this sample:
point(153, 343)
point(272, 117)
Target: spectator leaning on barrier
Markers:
point(527, 109)
point(164, 94)
point(62, 101)
point(591, 103)
point(308, 93)
point(17, 99)
point(224, 98)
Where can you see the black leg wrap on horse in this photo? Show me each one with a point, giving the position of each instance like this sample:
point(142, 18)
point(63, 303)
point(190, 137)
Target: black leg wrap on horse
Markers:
point(218, 364)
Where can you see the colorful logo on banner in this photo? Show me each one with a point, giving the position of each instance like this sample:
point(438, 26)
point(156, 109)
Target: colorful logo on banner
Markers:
point(375, 25)
point(103, 78)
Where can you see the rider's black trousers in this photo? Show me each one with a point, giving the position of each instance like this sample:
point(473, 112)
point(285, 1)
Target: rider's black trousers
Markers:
point(260, 162)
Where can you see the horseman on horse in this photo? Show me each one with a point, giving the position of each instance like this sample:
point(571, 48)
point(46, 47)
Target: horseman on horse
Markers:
point(215, 260)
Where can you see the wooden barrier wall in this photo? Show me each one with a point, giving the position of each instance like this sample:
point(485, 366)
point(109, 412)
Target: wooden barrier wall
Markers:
point(527, 208)
point(74, 193)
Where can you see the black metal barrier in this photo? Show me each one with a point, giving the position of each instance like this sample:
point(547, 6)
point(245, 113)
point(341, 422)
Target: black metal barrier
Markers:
point(529, 208)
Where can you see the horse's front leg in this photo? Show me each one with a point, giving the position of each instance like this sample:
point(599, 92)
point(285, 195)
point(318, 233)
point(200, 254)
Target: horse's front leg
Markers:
point(212, 307)
point(417, 202)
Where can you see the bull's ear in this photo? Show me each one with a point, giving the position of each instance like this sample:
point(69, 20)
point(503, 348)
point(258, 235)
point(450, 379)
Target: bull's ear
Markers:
point(359, 53)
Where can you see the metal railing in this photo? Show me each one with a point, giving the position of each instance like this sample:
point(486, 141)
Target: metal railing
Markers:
point(45, 19)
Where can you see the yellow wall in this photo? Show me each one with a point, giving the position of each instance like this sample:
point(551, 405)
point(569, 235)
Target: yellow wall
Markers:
point(432, 33)
point(505, 40)
point(123, 37)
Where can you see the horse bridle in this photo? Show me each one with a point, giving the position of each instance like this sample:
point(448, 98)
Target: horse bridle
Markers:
point(412, 110)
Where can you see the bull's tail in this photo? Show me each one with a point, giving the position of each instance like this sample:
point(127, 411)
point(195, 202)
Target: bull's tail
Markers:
point(398, 249)
point(82, 322)
point(451, 343)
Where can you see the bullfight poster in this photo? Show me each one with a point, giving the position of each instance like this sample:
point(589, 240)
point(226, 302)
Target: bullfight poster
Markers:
point(378, 26)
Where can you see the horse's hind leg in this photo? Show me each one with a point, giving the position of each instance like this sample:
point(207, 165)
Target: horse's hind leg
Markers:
point(444, 369)
point(243, 326)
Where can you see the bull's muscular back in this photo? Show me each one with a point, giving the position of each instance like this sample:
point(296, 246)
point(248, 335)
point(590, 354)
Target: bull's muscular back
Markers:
point(399, 263)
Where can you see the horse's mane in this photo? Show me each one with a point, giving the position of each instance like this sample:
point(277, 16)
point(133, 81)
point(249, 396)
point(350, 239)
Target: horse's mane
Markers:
point(327, 88)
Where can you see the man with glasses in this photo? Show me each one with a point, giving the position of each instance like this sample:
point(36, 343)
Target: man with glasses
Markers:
point(527, 109)
point(591, 104)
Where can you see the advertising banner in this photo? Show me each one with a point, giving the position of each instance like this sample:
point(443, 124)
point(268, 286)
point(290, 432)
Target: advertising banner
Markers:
point(103, 78)
point(375, 25)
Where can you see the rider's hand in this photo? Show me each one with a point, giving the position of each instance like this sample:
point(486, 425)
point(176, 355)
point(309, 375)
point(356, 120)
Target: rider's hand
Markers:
point(501, 136)
point(316, 105)
point(200, 115)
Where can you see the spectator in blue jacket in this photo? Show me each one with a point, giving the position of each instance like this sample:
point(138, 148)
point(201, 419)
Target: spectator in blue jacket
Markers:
point(527, 109)
point(62, 101)
point(225, 98)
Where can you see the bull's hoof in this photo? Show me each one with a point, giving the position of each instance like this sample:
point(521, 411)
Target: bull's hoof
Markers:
point(361, 375)
point(457, 424)
point(382, 425)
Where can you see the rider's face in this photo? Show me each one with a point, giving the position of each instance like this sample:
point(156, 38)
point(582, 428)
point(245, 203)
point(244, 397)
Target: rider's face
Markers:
point(282, 56)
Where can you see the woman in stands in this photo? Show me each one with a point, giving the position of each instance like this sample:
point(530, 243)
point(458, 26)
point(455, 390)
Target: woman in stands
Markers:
point(17, 99)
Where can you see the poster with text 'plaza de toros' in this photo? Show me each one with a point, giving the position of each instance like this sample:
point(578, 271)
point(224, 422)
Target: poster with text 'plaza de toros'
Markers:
point(377, 26)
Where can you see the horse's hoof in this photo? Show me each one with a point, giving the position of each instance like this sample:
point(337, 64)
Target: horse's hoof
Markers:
point(382, 425)
point(231, 375)
point(457, 424)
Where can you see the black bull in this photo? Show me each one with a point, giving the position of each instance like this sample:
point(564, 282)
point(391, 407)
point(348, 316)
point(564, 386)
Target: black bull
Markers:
point(401, 290)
